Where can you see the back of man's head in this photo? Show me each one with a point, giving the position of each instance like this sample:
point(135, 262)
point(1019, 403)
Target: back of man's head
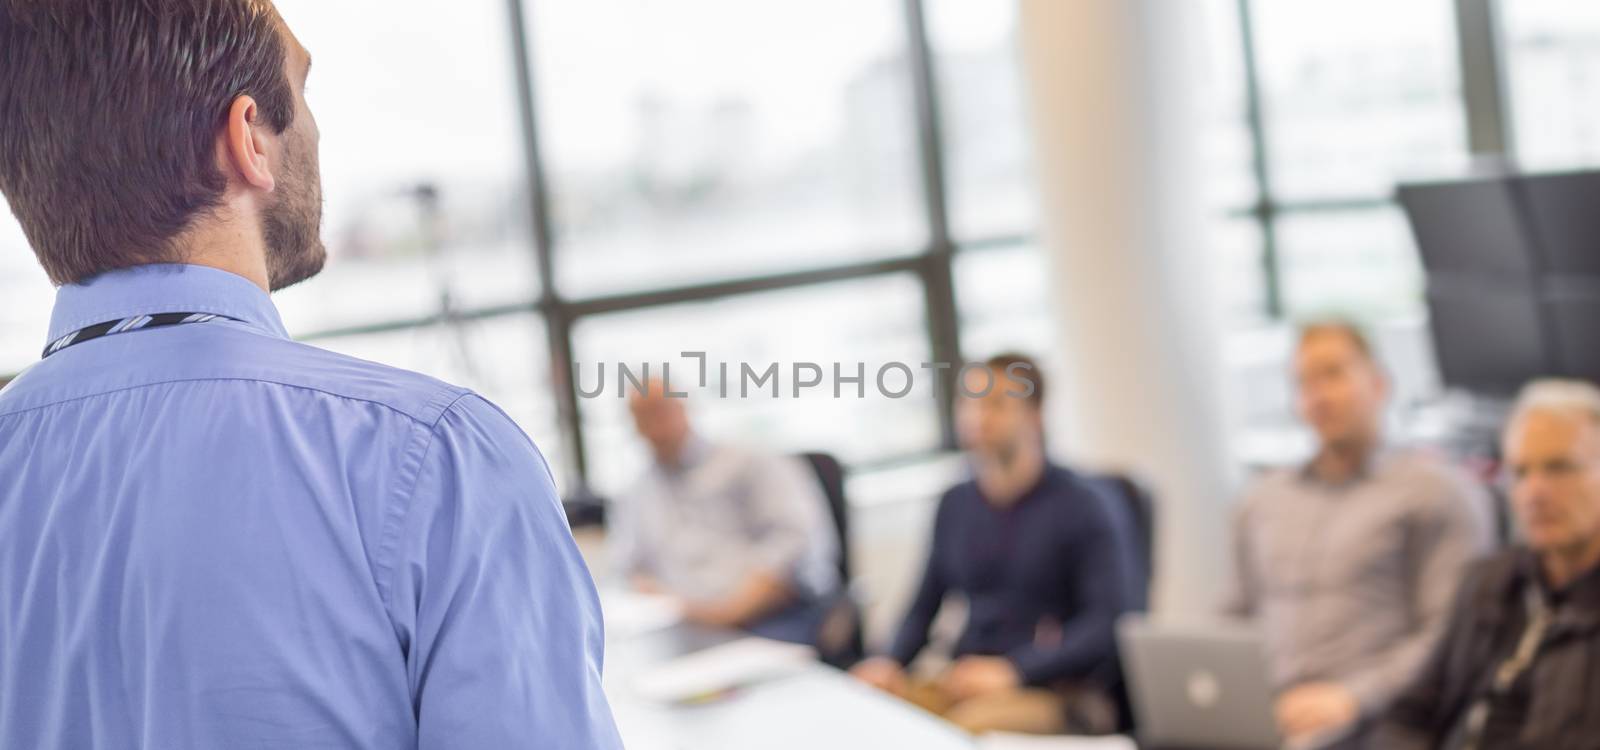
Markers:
point(109, 115)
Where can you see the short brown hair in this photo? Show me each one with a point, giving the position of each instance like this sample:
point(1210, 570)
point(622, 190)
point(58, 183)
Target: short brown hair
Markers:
point(1002, 364)
point(109, 112)
point(1349, 330)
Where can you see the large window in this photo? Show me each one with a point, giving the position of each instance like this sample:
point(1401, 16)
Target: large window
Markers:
point(1356, 95)
point(1341, 101)
point(517, 187)
point(708, 139)
point(421, 162)
point(848, 330)
point(1357, 261)
point(25, 299)
point(768, 186)
point(1553, 51)
point(1005, 302)
point(980, 88)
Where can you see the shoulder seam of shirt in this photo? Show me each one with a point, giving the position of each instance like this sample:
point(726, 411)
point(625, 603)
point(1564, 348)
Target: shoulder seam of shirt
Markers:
point(400, 510)
point(457, 391)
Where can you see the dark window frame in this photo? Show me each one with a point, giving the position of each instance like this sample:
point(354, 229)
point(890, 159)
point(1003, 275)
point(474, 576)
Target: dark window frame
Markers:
point(932, 264)
point(1488, 128)
point(1482, 69)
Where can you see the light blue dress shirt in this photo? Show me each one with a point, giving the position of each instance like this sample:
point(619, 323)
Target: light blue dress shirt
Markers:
point(213, 537)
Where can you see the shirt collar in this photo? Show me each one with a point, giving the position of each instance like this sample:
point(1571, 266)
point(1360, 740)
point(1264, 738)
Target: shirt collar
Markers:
point(1583, 591)
point(1048, 474)
point(162, 288)
point(694, 452)
point(1375, 461)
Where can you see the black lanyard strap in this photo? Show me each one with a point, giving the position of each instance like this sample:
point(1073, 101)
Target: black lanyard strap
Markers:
point(123, 325)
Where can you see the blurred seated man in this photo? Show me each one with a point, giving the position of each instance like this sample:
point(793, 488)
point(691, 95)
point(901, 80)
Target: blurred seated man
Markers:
point(1519, 662)
point(1349, 562)
point(742, 537)
point(1046, 563)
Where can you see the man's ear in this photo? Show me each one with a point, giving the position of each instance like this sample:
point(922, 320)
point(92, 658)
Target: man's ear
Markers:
point(1036, 417)
point(245, 144)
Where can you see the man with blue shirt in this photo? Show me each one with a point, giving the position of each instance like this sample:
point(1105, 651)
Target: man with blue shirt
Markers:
point(1046, 561)
point(211, 536)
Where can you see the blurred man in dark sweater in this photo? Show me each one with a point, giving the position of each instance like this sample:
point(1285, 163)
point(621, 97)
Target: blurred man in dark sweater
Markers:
point(1046, 562)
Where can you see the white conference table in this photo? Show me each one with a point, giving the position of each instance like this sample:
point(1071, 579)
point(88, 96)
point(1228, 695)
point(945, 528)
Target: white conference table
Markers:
point(815, 708)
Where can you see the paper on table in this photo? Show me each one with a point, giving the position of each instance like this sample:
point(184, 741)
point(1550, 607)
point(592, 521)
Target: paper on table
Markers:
point(1005, 741)
point(628, 613)
point(720, 668)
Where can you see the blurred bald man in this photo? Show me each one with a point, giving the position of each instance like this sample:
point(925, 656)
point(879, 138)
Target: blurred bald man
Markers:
point(742, 537)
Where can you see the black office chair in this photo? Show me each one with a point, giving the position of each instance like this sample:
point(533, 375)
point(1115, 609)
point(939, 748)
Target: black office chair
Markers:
point(1141, 508)
point(1505, 525)
point(840, 642)
point(1141, 512)
point(584, 509)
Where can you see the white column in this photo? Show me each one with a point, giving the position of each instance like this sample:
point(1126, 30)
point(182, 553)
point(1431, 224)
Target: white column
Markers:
point(1113, 87)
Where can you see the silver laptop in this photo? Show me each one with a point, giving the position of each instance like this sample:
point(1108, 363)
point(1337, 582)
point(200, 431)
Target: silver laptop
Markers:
point(1198, 685)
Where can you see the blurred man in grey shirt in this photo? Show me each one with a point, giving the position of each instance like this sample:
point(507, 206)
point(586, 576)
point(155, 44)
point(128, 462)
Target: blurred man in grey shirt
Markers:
point(1350, 562)
point(741, 536)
